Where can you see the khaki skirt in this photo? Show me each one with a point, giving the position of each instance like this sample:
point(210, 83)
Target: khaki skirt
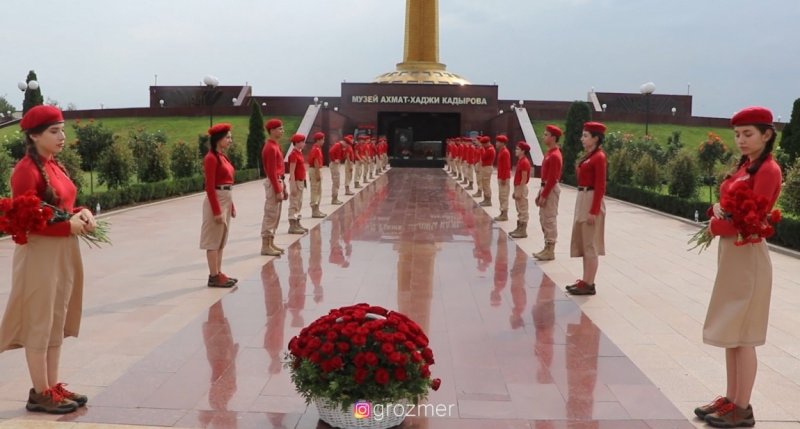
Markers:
point(738, 312)
point(46, 297)
point(588, 240)
point(213, 236)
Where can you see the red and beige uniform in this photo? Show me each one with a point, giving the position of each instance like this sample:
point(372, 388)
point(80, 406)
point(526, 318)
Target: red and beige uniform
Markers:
point(297, 180)
point(45, 302)
point(589, 240)
point(503, 173)
point(349, 163)
point(315, 162)
point(335, 159)
point(272, 160)
point(522, 174)
point(218, 173)
point(487, 168)
point(549, 193)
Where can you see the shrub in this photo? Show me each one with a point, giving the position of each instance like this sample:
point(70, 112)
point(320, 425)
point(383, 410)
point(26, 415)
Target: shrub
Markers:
point(6, 164)
point(33, 97)
point(115, 166)
point(579, 112)
point(71, 160)
point(620, 167)
point(646, 173)
point(151, 154)
point(683, 175)
point(256, 135)
point(15, 145)
point(184, 161)
point(790, 137)
point(790, 195)
point(236, 155)
point(92, 140)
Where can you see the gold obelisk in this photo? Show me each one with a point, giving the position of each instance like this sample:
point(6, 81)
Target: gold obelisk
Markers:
point(421, 49)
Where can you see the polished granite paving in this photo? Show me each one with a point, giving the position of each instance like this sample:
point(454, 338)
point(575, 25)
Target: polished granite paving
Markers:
point(511, 349)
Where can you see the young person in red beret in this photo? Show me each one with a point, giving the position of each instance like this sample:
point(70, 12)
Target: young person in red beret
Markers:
point(45, 302)
point(315, 174)
point(297, 182)
point(547, 200)
point(358, 163)
point(738, 311)
point(503, 176)
point(349, 163)
point(218, 208)
point(487, 168)
point(335, 160)
point(276, 193)
point(588, 227)
point(522, 174)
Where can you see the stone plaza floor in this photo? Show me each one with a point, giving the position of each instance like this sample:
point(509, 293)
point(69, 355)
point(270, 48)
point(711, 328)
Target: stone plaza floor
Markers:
point(159, 349)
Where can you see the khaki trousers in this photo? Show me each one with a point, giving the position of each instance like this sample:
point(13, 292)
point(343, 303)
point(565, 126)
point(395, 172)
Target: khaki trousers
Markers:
point(521, 202)
point(348, 173)
point(359, 170)
point(335, 178)
point(315, 184)
point(548, 215)
point(486, 181)
point(504, 188)
point(295, 198)
point(476, 171)
point(272, 210)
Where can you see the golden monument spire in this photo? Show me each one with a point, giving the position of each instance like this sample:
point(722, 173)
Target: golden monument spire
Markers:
point(421, 49)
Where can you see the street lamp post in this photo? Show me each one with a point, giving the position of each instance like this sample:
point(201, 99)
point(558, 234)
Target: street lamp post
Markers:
point(24, 87)
point(211, 83)
point(647, 89)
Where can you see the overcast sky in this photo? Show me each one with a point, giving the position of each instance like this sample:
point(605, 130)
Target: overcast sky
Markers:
point(726, 53)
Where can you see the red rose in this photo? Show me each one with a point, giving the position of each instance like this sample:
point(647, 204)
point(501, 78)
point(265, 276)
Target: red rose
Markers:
point(428, 355)
point(387, 348)
point(425, 372)
point(416, 357)
point(398, 358)
point(775, 216)
point(360, 375)
point(336, 363)
point(381, 376)
point(371, 359)
point(314, 357)
point(400, 374)
point(410, 346)
point(331, 336)
point(360, 360)
point(327, 348)
point(359, 340)
point(436, 383)
point(342, 347)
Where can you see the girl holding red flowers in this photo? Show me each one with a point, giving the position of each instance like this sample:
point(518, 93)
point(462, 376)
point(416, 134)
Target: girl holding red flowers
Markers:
point(739, 307)
point(46, 297)
point(218, 208)
point(588, 227)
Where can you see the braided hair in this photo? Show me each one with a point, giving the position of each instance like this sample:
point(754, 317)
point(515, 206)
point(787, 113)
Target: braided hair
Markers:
point(600, 139)
point(49, 195)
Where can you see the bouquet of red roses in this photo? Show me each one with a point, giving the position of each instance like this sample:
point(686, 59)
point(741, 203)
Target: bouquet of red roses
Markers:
point(750, 214)
point(362, 352)
point(26, 214)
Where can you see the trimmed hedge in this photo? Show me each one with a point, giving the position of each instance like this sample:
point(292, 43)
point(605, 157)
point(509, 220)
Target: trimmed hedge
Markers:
point(145, 192)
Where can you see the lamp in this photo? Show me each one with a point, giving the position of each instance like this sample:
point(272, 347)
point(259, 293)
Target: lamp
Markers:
point(604, 106)
point(161, 103)
point(211, 83)
point(673, 111)
point(647, 89)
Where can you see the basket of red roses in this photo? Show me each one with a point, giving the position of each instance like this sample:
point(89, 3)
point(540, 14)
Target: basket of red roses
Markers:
point(358, 356)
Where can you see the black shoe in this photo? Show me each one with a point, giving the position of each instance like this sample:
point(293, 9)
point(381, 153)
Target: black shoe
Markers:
point(582, 289)
point(220, 280)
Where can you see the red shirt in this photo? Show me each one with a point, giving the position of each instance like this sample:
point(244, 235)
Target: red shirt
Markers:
point(315, 157)
point(272, 158)
point(487, 156)
point(504, 164)
point(296, 157)
point(766, 182)
point(523, 166)
point(217, 171)
point(349, 152)
point(26, 177)
point(335, 152)
point(551, 170)
point(592, 172)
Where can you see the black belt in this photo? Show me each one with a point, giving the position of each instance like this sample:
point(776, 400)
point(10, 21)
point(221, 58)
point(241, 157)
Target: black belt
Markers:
point(224, 187)
point(543, 183)
point(586, 188)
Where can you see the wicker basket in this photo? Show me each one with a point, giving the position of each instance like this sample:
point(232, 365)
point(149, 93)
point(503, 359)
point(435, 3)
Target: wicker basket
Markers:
point(333, 415)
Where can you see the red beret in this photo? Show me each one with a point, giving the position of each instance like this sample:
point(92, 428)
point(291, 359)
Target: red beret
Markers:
point(297, 138)
point(349, 138)
point(484, 139)
point(502, 138)
point(524, 146)
point(319, 136)
point(751, 116)
point(273, 123)
point(41, 115)
point(219, 128)
point(553, 130)
point(594, 127)
point(363, 136)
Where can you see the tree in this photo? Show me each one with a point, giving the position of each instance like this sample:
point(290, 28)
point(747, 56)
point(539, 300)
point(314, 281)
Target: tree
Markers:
point(683, 175)
point(236, 155)
point(579, 112)
point(620, 167)
point(151, 154)
point(71, 160)
point(92, 140)
point(184, 161)
point(709, 154)
point(790, 138)
point(33, 97)
point(256, 136)
point(6, 164)
point(6, 107)
point(646, 174)
point(115, 166)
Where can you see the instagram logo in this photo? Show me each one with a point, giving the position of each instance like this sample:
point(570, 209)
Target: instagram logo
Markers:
point(362, 410)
